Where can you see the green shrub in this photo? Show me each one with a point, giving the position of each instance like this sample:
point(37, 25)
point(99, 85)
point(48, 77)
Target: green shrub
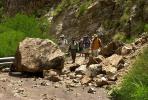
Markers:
point(139, 27)
point(15, 29)
point(146, 28)
point(135, 84)
point(83, 7)
point(119, 36)
point(1, 9)
point(60, 7)
point(73, 2)
point(23, 23)
point(9, 41)
point(122, 37)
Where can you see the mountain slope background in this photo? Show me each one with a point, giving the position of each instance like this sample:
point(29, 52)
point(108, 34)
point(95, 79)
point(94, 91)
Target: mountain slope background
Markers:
point(81, 17)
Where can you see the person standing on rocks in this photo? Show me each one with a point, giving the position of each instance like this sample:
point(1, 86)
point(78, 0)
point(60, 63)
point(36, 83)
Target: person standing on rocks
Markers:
point(86, 46)
point(81, 47)
point(73, 48)
point(95, 45)
point(63, 43)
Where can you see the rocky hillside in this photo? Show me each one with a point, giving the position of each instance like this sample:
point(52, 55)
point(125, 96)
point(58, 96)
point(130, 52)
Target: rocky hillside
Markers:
point(80, 17)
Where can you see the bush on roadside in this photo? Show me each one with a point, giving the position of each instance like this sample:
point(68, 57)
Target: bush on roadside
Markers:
point(146, 28)
point(15, 29)
point(135, 83)
point(122, 37)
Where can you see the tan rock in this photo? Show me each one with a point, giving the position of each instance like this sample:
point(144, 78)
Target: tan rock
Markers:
point(74, 66)
point(126, 49)
point(52, 75)
point(115, 59)
point(94, 70)
point(110, 70)
point(95, 60)
point(85, 80)
point(112, 77)
point(100, 81)
point(110, 49)
point(34, 54)
point(91, 90)
point(81, 70)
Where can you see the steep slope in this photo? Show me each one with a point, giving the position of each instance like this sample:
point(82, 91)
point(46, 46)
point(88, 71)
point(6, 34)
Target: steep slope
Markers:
point(79, 17)
point(104, 15)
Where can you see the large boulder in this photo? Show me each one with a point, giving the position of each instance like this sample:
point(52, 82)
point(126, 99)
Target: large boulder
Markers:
point(126, 49)
point(115, 60)
point(81, 70)
point(111, 64)
point(94, 70)
point(110, 48)
point(95, 60)
point(35, 55)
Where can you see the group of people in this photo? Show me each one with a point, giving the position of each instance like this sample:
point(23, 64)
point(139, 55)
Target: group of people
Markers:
point(85, 46)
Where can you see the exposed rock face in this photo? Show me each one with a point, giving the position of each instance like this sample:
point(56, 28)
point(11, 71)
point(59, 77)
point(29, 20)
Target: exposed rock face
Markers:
point(105, 17)
point(28, 6)
point(102, 16)
point(36, 54)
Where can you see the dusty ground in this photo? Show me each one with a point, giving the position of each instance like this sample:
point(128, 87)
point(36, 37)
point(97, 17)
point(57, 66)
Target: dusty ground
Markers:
point(21, 88)
point(24, 87)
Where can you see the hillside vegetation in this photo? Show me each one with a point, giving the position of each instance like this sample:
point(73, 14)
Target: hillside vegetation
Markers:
point(135, 84)
point(15, 29)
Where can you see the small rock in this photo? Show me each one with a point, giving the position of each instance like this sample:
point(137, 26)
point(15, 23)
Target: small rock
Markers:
point(65, 70)
point(110, 70)
point(6, 70)
point(3, 79)
point(91, 90)
point(85, 80)
point(81, 70)
point(115, 59)
point(45, 97)
point(112, 78)
point(139, 41)
point(95, 60)
point(48, 73)
point(126, 64)
point(44, 83)
point(64, 76)
point(72, 75)
point(90, 84)
point(70, 85)
point(56, 86)
point(76, 81)
point(73, 67)
point(79, 76)
point(101, 82)
point(55, 78)
point(99, 76)
point(78, 94)
point(35, 85)
point(94, 70)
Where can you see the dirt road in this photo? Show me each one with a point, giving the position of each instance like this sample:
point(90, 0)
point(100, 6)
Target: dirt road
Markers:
point(21, 88)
